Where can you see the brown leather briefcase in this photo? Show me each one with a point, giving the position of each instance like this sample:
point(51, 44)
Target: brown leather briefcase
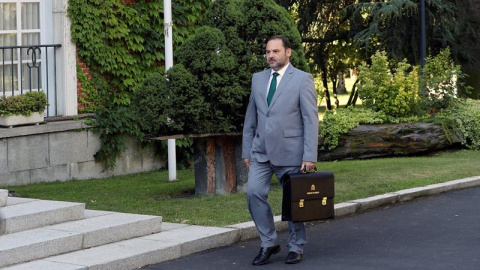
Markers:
point(308, 196)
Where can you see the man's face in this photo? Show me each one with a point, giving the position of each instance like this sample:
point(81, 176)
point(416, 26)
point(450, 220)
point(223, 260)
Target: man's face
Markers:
point(277, 56)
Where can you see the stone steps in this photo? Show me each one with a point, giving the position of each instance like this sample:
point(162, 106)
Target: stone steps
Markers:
point(37, 229)
point(174, 241)
point(26, 214)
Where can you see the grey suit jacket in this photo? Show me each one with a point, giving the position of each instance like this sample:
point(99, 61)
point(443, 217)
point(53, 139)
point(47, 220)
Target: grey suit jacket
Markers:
point(286, 132)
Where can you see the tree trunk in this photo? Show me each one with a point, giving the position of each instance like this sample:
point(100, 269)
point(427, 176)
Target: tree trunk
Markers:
point(325, 85)
point(341, 89)
point(368, 141)
point(352, 99)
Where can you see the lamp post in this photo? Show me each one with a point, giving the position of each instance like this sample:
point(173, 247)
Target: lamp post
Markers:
point(167, 15)
point(423, 46)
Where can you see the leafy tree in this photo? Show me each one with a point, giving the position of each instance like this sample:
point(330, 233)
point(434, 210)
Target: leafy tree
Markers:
point(327, 31)
point(394, 25)
point(247, 24)
point(360, 28)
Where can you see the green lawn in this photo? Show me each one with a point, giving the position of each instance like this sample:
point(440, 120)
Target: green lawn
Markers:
point(150, 193)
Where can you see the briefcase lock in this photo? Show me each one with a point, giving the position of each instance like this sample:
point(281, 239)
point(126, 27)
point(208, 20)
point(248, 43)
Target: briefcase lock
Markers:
point(301, 202)
point(324, 201)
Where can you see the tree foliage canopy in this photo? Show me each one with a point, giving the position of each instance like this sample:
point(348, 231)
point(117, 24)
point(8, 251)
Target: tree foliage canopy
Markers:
point(218, 61)
point(339, 34)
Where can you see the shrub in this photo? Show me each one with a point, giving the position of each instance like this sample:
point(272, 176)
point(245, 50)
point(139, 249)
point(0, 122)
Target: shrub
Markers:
point(24, 104)
point(464, 118)
point(169, 107)
point(441, 81)
point(392, 92)
point(206, 56)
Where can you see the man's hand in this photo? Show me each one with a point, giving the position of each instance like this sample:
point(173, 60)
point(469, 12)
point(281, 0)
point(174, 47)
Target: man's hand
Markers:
point(247, 162)
point(307, 166)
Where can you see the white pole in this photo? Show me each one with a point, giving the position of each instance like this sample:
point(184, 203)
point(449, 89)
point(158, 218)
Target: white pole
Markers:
point(167, 14)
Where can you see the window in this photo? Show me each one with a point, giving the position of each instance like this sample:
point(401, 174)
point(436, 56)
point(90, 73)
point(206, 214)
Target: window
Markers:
point(26, 64)
point(20, 26)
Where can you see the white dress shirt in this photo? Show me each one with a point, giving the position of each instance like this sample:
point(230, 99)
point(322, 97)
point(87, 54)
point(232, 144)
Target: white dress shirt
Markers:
point(279, 77)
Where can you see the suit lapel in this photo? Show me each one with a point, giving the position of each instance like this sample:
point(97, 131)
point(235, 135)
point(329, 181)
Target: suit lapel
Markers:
point(281, 86)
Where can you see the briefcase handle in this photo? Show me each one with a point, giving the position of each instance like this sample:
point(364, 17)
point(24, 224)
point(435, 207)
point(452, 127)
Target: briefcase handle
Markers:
point(305, 171)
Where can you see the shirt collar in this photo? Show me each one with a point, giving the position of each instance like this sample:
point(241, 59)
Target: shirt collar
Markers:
point(281, 71)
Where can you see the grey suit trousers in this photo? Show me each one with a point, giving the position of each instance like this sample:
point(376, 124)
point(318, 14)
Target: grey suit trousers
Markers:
point(258, 186)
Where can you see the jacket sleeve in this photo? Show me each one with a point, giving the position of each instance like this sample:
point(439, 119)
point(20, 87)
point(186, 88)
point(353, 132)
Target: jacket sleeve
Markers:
point(309, 108)
point(249, 126)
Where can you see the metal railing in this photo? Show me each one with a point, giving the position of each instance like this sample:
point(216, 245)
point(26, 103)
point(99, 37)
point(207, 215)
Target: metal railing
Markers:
point(30, 68)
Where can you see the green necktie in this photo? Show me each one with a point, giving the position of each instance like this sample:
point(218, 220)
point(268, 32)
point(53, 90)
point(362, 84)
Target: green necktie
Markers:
point(273, 86)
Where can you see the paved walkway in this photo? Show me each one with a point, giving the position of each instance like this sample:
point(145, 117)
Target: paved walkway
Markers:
point(436, 232)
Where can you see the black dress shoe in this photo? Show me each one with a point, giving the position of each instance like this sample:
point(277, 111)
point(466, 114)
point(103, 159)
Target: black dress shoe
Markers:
point(264, 255)
point(293, 257)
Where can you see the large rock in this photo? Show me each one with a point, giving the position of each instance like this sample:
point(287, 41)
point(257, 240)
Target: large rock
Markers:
point(381, 140)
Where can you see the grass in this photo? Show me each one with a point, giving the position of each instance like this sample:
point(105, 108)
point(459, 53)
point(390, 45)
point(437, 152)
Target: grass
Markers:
point(150, 193)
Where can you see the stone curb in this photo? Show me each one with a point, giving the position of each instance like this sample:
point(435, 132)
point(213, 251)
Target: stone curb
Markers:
point(248, 231)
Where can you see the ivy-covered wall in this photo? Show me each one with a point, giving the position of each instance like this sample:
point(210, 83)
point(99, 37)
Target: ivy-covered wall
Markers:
point(122, 42)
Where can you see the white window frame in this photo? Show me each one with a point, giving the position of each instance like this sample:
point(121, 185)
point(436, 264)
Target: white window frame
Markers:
point(18, 33)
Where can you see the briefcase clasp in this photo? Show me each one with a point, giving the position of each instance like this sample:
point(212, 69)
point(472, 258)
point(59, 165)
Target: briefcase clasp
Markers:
point(300, 204)
point(324, 201)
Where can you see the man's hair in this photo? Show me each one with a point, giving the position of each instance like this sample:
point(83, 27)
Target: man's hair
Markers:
point(285, 41)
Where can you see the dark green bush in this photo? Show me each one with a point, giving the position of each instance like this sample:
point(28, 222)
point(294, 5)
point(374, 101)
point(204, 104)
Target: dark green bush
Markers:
point(246, 25)
point(206, 56)
point(24, 104)
point(171, 107)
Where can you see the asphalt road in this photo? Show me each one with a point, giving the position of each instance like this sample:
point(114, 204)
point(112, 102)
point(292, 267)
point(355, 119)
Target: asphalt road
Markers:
point(438, 232)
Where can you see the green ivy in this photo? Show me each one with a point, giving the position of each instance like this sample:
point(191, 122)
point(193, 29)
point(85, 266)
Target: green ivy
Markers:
point(114, 125)
point(89, 95)
point(24, 104)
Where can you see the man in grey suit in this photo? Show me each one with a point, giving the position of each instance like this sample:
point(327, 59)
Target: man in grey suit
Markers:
point(280, 135)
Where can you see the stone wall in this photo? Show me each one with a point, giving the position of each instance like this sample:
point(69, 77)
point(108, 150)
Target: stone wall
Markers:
point(63, 151)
